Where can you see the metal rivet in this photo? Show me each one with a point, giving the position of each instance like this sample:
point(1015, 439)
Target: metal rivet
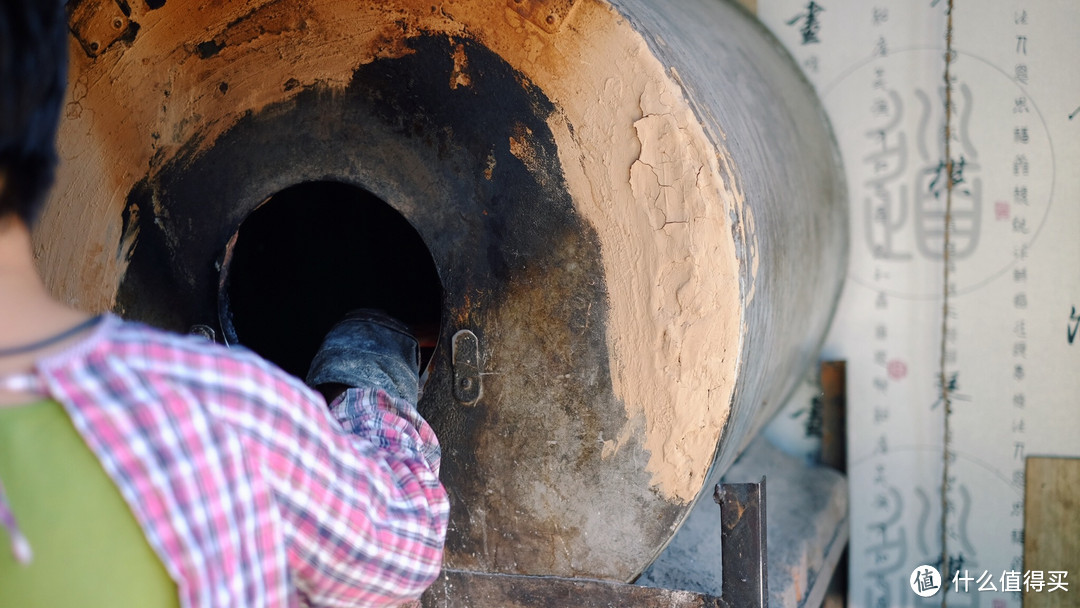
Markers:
point(94, 46)
point(551, 19)
point(118, 23)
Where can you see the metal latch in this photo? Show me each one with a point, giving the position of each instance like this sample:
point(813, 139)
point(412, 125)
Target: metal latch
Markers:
point(465, 362)
point(96, 24)
point(548, 15)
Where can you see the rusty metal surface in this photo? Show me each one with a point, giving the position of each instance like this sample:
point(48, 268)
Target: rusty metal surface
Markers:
point(743, 534)
point(833, 414)
point(97, 24)
point(479, 590)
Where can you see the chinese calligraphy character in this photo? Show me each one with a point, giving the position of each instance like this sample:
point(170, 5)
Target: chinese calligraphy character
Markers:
point(1070, 331)
point(1021, 44)
point(888, 218)
point(815, 422)
point(881, 48)
point(965, 227)
point(881, 384)
point(1021, 165)
point(955, 563)
point(894, 157)
point(889, 551)
point(811, 26)
point(957, 172)
point(952, 384)
point(1021, 73)
point(1020, 195)
point(939, 176)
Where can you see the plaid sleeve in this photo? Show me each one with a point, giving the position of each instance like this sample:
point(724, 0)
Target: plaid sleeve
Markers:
point(357, 486)
point(388, 422)
point(247, 486)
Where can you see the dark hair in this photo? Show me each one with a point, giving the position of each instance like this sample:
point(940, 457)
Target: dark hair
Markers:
point(33, 73)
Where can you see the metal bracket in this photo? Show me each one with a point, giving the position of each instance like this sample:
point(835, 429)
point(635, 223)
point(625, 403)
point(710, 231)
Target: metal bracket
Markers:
point(465, 362)
point(548, 15)
point(97, 24)
point(833, 376)
point(743, 539)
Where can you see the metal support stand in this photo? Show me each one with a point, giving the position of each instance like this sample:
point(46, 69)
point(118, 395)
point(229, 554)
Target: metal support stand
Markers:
point(743, 554)
point(743, 540)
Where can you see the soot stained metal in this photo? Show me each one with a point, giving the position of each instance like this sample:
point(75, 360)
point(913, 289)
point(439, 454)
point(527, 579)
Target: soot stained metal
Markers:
point(521, 272)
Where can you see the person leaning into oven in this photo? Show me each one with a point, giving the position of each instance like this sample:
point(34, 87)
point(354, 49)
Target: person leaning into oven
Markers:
point(142, 468)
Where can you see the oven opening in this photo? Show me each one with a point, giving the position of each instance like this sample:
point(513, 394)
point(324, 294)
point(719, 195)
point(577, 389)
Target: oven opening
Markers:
point(311, 253)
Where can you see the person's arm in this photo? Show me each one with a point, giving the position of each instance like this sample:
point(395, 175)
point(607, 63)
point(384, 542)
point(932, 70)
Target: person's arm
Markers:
point(357, 487)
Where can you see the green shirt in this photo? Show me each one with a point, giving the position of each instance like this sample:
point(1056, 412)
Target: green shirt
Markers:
point(88, 549)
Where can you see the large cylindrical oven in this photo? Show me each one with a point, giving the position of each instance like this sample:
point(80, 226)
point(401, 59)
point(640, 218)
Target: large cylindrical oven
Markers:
point(621, 223)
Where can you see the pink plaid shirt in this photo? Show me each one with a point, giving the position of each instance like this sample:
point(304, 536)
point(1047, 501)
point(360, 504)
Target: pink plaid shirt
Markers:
point(251, 491)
